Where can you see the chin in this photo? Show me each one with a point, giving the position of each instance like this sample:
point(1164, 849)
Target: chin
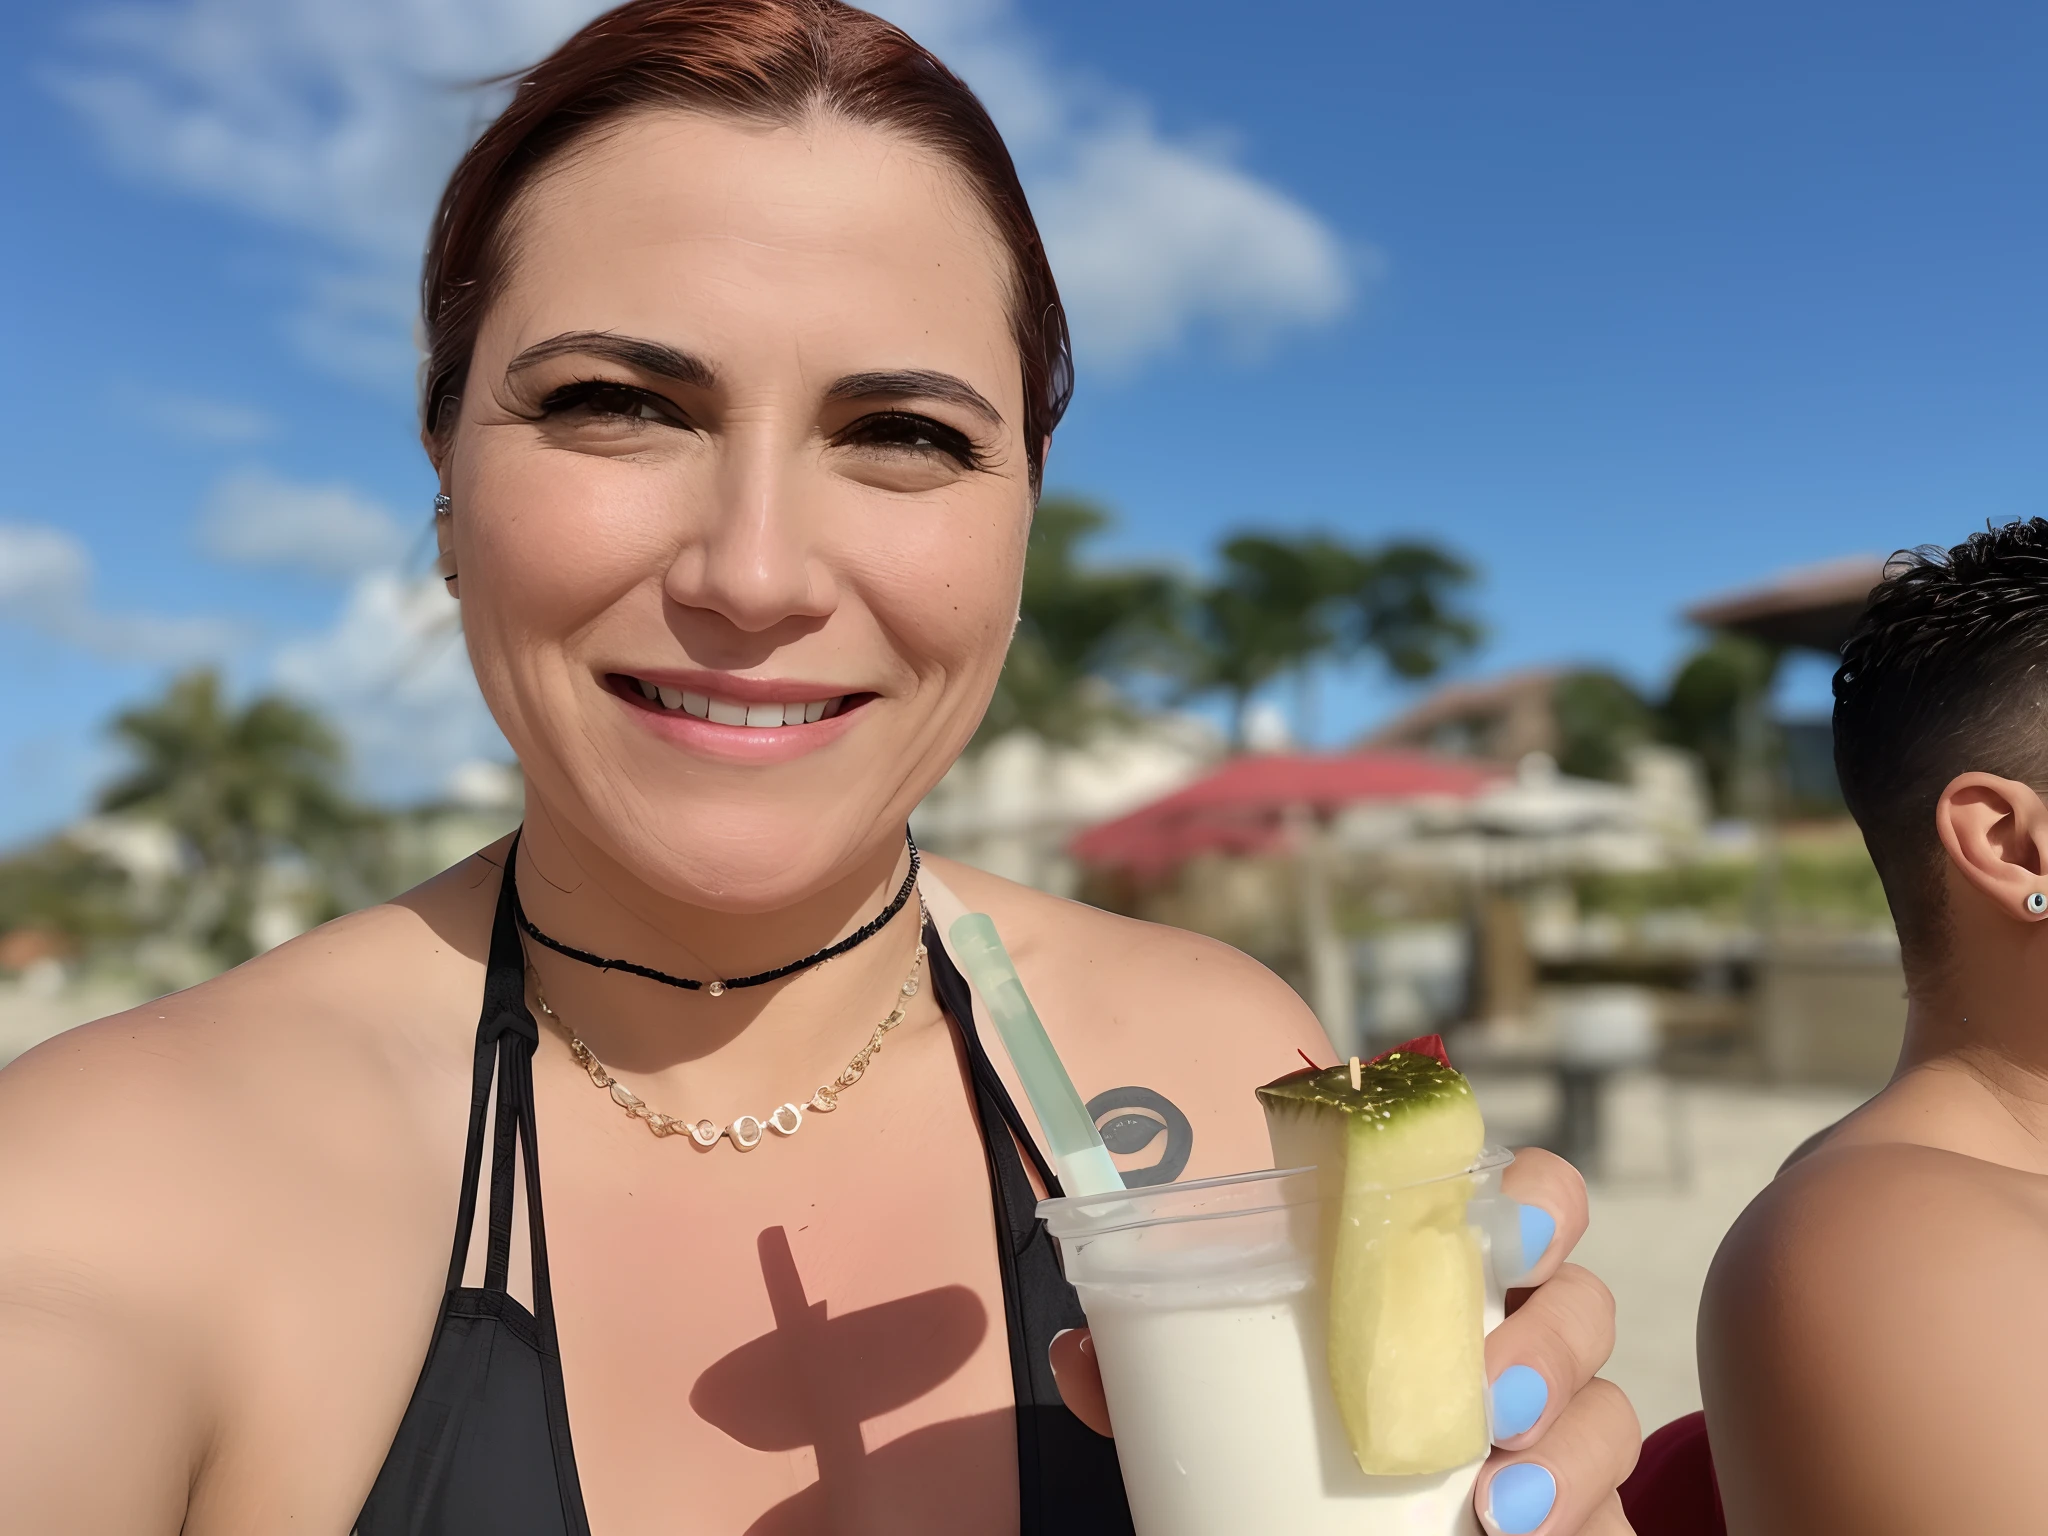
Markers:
point(744, 853)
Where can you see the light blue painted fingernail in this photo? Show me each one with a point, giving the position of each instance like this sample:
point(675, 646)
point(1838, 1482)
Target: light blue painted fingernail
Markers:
point(1519, 1396)
point(1538, 1228)
point(1520, 1497)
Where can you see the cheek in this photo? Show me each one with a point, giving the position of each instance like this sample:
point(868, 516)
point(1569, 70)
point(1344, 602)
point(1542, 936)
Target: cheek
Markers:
point(946, 592)
point(557, 542)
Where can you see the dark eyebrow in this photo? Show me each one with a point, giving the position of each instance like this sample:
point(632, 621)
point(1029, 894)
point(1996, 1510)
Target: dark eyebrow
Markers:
point(652, 357)
point(916, 382)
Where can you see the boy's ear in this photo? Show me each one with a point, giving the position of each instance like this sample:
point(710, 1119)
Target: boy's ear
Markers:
point(1996, 834)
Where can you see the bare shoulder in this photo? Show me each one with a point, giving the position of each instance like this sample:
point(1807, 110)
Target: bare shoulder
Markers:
point(164, 1120)
point(1867, 1344)
point(1149, 1012)
point(212, 1201)
point(1135, 970)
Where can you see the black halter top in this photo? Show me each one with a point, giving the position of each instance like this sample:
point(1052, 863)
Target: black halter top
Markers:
point(484, 1447)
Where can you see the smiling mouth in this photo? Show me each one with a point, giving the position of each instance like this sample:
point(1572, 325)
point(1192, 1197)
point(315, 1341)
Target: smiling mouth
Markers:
point(703, 706)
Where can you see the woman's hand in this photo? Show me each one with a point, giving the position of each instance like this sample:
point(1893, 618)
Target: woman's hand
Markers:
point(1574, 1436)
point(1578, 1435)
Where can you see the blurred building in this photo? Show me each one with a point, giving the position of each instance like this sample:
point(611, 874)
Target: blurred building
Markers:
point(1501, 720)
point(1013, 806)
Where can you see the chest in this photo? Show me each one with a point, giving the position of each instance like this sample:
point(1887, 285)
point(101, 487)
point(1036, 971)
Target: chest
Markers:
point(809, 1337)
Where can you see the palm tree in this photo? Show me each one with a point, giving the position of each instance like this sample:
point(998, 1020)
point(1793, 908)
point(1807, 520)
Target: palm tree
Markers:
point(1283, 604)
point(242, 788)
point(1078, 628)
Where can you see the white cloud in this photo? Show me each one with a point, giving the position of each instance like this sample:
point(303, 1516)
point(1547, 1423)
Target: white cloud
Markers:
point(202, 420)
point(393, 672)
point(1150, 237)
point(46, 584)
point(341, 120)
point(253, 517)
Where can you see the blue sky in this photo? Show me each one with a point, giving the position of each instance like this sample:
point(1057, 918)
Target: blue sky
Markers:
point(1630, 303)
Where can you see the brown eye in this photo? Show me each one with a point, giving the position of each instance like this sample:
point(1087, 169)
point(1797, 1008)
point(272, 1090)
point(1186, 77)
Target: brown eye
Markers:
point(903, 431)
point(605, 399)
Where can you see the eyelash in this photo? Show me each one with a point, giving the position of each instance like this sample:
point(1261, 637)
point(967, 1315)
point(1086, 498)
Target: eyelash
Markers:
point(896, 429)
point(883, 429)
point(585, 393)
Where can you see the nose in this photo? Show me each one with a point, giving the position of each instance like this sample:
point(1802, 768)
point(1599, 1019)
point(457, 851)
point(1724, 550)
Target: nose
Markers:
point(750, 553)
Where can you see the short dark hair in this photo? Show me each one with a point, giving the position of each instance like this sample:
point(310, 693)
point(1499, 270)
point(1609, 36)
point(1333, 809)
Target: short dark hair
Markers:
point(1946, 672)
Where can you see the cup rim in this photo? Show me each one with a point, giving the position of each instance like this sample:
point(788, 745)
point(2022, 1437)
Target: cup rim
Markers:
point(1096, 1212)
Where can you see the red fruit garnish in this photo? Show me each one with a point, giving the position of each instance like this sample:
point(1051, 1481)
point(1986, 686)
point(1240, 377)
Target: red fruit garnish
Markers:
point(1421, 1045)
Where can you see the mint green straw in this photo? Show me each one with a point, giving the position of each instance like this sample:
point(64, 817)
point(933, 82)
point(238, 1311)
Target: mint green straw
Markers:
point(1077, 1151)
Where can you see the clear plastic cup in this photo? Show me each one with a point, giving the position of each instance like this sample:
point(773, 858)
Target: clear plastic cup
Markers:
point(1209, 1323)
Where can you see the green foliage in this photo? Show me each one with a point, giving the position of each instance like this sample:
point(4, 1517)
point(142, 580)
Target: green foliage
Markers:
point(1715, 709)
point(1279, 605)
point(1078, 626)
point(1282, 604)
point(58, 885)
point(1831, 881)
point(243, 789)
point(1600, 720)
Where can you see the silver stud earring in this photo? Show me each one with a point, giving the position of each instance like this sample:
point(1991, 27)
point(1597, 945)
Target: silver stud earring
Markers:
point(443, 507)
point(2037, 903)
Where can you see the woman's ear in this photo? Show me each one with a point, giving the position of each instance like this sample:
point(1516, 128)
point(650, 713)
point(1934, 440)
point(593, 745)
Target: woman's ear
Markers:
point(1996, 834)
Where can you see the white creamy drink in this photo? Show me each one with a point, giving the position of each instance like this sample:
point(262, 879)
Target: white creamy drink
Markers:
point(1209, 1324)
point(1225, 1422)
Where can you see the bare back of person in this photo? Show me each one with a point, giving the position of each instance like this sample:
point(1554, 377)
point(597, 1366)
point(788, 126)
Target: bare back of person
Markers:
point(1872, 1335)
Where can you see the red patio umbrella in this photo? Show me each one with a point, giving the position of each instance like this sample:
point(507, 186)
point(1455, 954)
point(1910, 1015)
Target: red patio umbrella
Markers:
point(1242, 806)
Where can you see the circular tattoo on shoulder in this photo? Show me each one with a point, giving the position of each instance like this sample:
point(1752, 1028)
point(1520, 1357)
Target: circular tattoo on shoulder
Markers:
point(1139, 1120)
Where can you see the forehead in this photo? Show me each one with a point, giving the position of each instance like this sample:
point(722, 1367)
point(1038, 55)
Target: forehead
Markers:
point(830, 237)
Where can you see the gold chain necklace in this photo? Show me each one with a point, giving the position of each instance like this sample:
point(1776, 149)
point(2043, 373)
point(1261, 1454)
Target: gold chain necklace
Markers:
point(746, 1131)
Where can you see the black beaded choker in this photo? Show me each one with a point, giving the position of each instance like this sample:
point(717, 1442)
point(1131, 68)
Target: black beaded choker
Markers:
point(718, 988)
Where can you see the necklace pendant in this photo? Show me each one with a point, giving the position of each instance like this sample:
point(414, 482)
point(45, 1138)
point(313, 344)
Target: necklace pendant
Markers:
point(715, 989)
point(746, 1132)
point(787, 1120)
point(705, 1134)
point(823, 1102)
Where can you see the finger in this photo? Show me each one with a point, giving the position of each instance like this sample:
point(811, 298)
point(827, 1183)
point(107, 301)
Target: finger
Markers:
point(1553, 1199)
point(1079, 1375)
point(1562, 1486)
point(1539, 1359)
point(1608, 1520)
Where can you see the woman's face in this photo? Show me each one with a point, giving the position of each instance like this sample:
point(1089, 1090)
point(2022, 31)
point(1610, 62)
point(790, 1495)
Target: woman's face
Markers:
point(742, 431)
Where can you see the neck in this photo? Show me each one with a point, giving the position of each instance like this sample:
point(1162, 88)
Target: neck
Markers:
point(732, 1044)
point(1982, 1018)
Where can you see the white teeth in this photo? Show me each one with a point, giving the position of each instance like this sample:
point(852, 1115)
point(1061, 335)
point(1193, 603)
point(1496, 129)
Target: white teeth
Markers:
point(725, 712)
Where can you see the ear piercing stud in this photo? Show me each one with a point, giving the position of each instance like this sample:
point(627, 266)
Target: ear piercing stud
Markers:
point(2037, 903)
point(443, 508)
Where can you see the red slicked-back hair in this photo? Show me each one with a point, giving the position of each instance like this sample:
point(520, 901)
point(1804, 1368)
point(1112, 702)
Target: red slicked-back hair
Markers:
point(762, 61)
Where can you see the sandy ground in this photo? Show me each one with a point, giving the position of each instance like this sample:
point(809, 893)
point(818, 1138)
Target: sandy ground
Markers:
point(1683, 1159)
